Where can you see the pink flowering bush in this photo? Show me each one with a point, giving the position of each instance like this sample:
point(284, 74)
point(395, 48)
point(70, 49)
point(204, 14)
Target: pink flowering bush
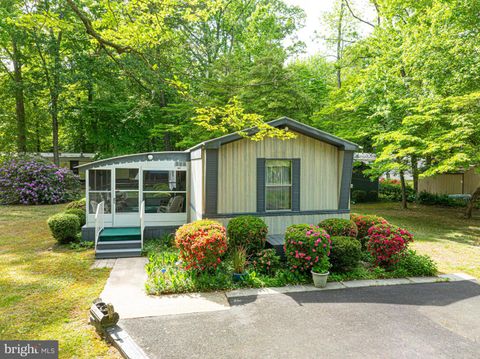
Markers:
point(387, 243)
point(202, 244)
point(304, 246)
point(266, 261)
point(32, 180)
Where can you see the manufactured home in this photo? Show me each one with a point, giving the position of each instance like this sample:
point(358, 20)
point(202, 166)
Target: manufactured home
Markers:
point(301, 180)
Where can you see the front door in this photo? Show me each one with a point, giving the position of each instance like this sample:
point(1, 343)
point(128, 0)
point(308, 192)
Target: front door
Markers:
point(126, 199)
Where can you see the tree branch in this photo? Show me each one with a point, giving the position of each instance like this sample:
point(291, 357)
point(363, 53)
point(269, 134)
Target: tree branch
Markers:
point(352, 13)
point(92, 32)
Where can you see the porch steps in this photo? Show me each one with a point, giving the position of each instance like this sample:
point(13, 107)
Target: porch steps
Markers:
point(119, 242)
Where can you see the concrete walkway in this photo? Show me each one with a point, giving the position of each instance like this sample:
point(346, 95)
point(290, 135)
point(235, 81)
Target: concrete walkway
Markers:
point(125, 289)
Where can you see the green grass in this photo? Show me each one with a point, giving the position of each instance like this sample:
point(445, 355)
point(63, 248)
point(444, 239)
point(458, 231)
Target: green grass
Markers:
point(442, 233)
point(47, 289)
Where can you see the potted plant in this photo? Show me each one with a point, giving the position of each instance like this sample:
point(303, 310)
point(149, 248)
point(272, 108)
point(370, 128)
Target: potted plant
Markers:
point(239, 262)
point(320, 272)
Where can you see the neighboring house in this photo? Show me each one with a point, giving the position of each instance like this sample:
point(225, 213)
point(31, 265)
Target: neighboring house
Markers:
point(284, 182)
point(461, 182)
point(70, 160)
point(364, 183)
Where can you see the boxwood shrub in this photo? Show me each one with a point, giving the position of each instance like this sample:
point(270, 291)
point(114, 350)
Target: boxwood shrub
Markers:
point(80, 204)
point(64, 227)
point(80, 213)
point(249, 232)
point(202, 244)
point(304, 246)
point(345, 253)
point(339, 227)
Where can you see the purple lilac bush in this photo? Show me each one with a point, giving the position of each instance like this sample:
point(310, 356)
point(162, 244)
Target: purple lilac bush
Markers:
point(33, 180)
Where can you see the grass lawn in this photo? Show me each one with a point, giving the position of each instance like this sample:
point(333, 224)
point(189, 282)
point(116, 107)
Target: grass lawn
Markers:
point(47, 289)
point(442, 233)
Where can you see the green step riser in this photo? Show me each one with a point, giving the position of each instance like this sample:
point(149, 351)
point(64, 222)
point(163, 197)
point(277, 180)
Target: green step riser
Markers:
point(119, 238)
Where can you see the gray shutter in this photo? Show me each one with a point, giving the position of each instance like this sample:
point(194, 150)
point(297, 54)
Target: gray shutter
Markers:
point(260, 185)
point(347, 168)
point(211, 181)
point(296, 184)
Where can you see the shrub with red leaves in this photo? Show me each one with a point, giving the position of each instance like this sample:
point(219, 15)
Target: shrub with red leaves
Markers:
point(202, 244)
point(386, 243)
point(364, 222)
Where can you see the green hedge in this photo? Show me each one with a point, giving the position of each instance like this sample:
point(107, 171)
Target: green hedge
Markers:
point(339, 227)
point(345, 253)
point(80, 213)
point(248, 232)
point(64, 227)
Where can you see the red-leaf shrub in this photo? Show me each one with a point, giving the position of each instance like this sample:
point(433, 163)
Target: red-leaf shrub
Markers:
point(339, 227)
point(304, 246)
point(202, 244)
point(386, 243)
point(364, 222)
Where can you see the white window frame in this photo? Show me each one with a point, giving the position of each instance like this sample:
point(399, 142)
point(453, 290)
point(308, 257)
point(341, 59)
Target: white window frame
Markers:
point(168, 192)
point(267, 185)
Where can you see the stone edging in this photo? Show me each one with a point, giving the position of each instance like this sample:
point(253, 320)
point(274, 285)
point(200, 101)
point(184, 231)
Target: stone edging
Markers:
point(124, 343)
point(348, 284)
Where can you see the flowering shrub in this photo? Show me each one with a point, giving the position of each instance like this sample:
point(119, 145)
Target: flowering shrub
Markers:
point(339, 227)
point(363, 223)
point(248, 232)
point(31, 180)
point(305, 245)
point(386, 243)
point(202, 244)
point(266, 261)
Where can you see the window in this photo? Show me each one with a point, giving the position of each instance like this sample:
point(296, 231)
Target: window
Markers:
point(278, 185)
point(99, 186)
point(165, 191)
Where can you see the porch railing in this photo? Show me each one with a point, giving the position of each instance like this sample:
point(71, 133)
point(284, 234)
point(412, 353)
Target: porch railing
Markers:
point(142, 221)
point(99, 225)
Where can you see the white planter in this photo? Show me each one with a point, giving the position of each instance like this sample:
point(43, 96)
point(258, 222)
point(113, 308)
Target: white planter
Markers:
point(320, 279)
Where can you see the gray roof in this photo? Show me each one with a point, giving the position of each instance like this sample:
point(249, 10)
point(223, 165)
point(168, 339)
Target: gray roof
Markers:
point(281, 123)
point(138, 157)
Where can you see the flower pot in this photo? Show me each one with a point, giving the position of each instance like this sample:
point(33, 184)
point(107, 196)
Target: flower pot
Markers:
point(239, 277)
point(320, 279)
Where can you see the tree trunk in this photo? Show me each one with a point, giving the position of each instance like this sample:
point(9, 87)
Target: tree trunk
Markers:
point(19, 98)
point(404, 190)
point(55, 92)
point(339, 44)
point(471, 203)
point(415, 173)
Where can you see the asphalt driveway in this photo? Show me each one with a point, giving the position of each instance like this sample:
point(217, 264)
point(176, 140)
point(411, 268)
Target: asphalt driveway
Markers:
point(438, 320)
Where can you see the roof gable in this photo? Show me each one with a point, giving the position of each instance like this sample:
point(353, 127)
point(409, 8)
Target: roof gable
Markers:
point(282, 123)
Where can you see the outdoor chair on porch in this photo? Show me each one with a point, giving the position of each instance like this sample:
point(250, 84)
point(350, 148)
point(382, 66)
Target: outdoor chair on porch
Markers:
point(175, 205)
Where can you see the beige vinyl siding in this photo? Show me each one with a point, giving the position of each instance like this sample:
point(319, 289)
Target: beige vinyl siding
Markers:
point(278, 224)
point(471, 180)
point(320, 168)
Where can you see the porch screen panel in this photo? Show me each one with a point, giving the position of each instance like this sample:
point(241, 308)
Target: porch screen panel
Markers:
point(99, 189)
point(164, 191)
point(126, 190)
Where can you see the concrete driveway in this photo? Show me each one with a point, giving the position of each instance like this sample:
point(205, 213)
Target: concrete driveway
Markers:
point(438, 320)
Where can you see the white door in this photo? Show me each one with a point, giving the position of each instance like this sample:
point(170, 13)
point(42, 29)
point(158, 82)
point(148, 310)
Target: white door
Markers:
point(126, 202)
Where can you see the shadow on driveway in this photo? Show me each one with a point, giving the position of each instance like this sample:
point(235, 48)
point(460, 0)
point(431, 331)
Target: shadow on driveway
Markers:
point(431, 294)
